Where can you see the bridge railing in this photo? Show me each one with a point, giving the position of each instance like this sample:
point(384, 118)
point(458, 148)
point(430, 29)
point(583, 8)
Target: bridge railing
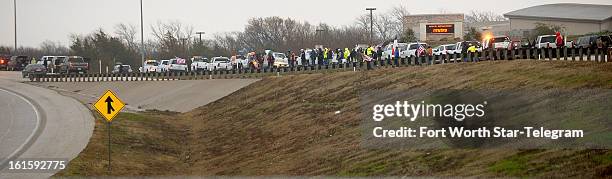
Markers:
point(546, 54)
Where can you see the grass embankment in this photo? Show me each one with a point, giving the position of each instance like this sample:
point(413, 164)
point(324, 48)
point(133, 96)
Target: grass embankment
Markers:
point(289, 126)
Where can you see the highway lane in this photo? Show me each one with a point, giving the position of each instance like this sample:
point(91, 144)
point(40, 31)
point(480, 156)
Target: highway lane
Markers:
point(18, 123)
point(64, 124)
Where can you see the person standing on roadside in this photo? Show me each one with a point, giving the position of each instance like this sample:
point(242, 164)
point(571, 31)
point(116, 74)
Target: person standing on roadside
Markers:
point(320, 57)
point(472, 50)
point(347, 55)
point(270, 60)
point(396, 56)
point(303, 57)
point(559, 40)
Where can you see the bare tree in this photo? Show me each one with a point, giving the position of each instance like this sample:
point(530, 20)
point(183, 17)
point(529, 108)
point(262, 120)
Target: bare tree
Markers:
point(173, 37)
point(127, 33)
point(53, 48)
point(483, 16)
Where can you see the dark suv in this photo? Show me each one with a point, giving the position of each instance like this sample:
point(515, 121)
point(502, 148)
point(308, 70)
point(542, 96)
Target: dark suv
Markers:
point(17, 63)
point(593, 40)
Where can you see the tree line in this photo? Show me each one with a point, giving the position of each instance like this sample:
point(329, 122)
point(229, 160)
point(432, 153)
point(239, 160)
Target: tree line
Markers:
point(175, 39)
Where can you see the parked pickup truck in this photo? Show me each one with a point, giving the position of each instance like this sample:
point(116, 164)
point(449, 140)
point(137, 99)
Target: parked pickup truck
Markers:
point(219, 63)
point(411, 51)
point(74, 64)
point(177, 65)
point(149, 66)
point(498, 42)
point(199, 63)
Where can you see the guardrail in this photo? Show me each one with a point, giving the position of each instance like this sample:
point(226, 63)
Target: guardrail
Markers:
point(561, 54)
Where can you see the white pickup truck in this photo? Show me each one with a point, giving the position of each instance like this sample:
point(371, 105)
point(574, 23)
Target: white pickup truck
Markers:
point(498, 42)
point(550, 41)
point(149, 66)
point(219, 63)
point(178, 65)
point(411, 51)
point(199, 63)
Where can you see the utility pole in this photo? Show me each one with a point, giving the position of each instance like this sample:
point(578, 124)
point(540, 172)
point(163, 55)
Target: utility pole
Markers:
point(200, 33)
point(142, 48)
point(15, 16)
point(371, 9)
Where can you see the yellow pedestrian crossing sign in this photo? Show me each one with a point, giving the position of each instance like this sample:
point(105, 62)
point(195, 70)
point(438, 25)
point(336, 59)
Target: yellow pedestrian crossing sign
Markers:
point(109, 105)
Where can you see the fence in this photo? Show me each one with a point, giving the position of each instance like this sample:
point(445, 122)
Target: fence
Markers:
point(561, 54)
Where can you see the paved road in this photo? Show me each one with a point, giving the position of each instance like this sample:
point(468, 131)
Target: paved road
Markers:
point(37, 123)
point(178, 96)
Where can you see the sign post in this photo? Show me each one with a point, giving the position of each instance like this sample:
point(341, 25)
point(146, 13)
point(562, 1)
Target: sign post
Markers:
point(109, 105)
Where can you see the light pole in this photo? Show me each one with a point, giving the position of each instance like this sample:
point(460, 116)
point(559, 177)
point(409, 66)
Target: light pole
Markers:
point(15, 16)
point(142, 48)
point(371, 9)
point(200, 33)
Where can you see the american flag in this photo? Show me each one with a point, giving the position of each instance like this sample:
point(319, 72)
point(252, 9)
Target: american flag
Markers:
point(420, 50)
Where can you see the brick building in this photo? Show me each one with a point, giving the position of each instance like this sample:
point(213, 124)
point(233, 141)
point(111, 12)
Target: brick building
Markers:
point(435, 27)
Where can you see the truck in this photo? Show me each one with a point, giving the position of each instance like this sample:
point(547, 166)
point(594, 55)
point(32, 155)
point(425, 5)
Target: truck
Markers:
point(149, 66)
point(178, 65)
point(218, 63)
point(17, 63)
point(73, 64)
point(412, 49)
point(199, 63)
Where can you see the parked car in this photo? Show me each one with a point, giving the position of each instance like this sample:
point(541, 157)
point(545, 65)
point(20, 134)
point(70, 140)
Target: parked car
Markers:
point(177, 65)
point(4, 59)
point(199, 63)
point(280, 60)
point(498, 42)
point(163, 66)
point(149, 66)
point(122, 69)
point(411, 51)
point(444, 49)
point(73, 64)
point(17, 63)
point(32, 70)
point(219, 63)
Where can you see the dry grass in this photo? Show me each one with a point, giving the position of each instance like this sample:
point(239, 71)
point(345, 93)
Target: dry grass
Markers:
point(288, 126)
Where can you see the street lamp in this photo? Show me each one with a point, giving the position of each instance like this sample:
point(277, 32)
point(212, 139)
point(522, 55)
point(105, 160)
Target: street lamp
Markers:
point(371, 9)
point(200, 33)
point(142, 48)
point(15, 16)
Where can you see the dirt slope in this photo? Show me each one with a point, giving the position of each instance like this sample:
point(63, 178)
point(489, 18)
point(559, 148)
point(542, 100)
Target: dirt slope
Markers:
point(288, 126)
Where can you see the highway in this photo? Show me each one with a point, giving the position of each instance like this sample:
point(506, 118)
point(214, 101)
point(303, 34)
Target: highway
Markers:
point(39, 124)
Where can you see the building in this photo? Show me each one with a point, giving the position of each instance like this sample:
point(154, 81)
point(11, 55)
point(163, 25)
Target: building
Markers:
point(435, 27)
point(576, 19)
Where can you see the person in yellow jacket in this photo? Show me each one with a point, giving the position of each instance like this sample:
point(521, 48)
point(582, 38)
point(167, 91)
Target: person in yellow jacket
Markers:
point(347, 54)
point(472, 49)
point(369, 51)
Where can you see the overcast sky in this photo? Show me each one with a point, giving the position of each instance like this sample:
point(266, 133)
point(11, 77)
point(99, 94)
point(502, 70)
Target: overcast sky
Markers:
point(55, 20)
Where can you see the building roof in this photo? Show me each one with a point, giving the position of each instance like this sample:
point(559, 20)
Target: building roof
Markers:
point(569, 11)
